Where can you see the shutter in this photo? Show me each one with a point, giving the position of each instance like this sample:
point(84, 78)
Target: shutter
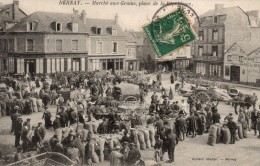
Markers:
point(205, 35)
point(220, 35)
point(210, 49)
point(196, 50)
point(209, 35)
point(220, 50)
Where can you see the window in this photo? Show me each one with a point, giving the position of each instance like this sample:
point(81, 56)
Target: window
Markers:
point(240, 58)
point(200, 50)
point(7, 14)
point(226, 70)
point(201, 35)
point(114, 32)
point(257, 60)
point(74, 45)
point(29, 44)
point(11, 44)
point(99, 47)
point(99, 31)
point(75, 27)
point(229, 57)
point(215, 35)
point(1, 44)
point(121, 64)
point(5, 44)
point(58, 45)
point(215, 50)
point(215, 19)
point(58, 27)
point(114, 47)
point(129, 51)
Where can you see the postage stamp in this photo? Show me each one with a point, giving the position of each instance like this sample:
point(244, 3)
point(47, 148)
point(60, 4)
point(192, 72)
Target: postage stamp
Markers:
point(170, 32)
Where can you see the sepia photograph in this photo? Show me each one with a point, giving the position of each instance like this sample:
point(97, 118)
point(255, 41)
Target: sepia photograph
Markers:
point(129, 83)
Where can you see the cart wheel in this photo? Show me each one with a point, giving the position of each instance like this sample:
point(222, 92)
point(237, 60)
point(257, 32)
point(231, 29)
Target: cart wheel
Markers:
point(130, 98)
point(203, 97)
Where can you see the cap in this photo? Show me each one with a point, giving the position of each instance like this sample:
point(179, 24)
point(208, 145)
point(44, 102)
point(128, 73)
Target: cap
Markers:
point(16, 107)
point(39, 122)
point(125, 142)
point(117, 147)
point(57, 116)
point(132, 143)
point(28, 119)
point(72, 133)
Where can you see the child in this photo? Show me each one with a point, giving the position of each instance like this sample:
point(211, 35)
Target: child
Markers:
point(158, 148)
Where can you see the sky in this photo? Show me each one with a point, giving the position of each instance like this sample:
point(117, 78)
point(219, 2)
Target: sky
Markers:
point(130, 17)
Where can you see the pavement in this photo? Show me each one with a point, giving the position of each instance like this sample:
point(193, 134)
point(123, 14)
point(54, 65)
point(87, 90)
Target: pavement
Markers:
point(191, 152)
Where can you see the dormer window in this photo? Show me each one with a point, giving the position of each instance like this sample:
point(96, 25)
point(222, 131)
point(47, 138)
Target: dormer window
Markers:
point(215, 19)
point(114, 32)
point(99, 31)
point(31, 25)
point(75, 27)
point(58, 27)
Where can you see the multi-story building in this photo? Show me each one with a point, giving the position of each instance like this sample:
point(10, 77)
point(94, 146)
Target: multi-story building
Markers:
point(10, 14)
point(242, 63)
point(45, 42)
point(219, 29)
point(107, 45)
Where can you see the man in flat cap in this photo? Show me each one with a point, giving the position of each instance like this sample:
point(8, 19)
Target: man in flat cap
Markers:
point(14, 118)
point(115, 157)
point(18, 131)
point(39, 133)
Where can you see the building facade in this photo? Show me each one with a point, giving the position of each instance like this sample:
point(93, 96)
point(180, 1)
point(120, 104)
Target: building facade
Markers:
point(46, 42)
point(242, 63)
point(10, 14)
point(219, 29)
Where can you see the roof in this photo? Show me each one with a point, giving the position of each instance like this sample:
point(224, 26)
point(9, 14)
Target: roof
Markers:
point(235, 11)
point(6, 6)
point(104, 24)
point(248, 48)
point(134, 36)
point(44, 21)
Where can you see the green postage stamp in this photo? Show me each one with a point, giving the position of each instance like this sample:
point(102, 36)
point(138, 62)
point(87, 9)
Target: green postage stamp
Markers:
point(169, 32)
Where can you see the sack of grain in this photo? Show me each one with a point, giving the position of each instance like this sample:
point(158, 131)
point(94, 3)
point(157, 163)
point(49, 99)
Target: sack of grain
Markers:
point(95, 126)
point(226, 135)
point(141, 140)
point(136, 141)
point(89, 126)
point(106, 153)
point(240, 130)
point(84, 134)
point(211, 140)
point(213, 131)
point(94, 157)
point(39, 105)
point(245, 133)
point(101, 143)
point(116, 142)
point(237, 137)
point(219, 135)
point(152, 135)
point(146, 138)
point(65, 131)
point(59, 134)
point(79, 128)
point(212, 135)
point(110, 145)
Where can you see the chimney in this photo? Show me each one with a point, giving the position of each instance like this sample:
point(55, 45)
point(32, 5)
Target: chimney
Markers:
point(76, 12)
point(219, 7)
point(83, 16)
point(15, 9)
point(116, 19)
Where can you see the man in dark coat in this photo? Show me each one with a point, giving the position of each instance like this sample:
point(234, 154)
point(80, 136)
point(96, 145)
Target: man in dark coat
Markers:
point(56, 122)
point(39, 134)
point(254, 120)
point(14, 118)
point(47, 118)
point(216, 117)
point(18, 131)
point(172, 142)
point(232, 128)
point(172, 78)
point(181, 127)
point(134, 155)
point(73, 118)
point(63, 118)
point(46, 99)
point(192, 124)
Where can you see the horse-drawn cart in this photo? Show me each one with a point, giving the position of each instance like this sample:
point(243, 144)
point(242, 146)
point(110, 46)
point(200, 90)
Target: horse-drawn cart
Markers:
point(45, 159)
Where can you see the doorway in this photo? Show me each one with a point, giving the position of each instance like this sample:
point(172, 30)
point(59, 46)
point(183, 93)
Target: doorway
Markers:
point(30, 66)
point(235, 73)
point(110, 65)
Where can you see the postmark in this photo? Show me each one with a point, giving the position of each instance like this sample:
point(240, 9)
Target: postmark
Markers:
point(171, 31)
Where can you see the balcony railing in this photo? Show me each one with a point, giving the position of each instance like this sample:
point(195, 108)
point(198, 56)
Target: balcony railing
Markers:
point(208, 58)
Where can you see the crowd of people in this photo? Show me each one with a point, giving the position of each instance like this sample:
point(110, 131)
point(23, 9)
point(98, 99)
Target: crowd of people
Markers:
point(173, 121)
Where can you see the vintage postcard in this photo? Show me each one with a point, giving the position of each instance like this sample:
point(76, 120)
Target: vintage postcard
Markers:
point(130, 82)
